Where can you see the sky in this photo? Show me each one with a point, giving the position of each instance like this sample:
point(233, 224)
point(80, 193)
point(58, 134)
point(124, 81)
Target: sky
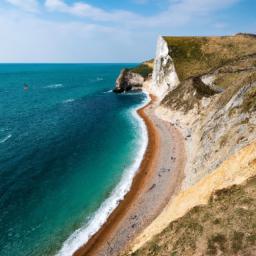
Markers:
point(93, 31)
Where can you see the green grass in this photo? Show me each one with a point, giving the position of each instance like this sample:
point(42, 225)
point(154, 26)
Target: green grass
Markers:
point(143, 69)
point(194, 56)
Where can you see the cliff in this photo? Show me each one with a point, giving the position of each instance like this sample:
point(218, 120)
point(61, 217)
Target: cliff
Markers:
point(214, 102)
point(180, 58)
point(206, 87)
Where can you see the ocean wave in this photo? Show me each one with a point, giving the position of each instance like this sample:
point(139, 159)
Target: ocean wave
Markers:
point(132, 93)
point(68, 100)
point(5, 138)
point(109, 91)
point(83, 234)
point(54, 86)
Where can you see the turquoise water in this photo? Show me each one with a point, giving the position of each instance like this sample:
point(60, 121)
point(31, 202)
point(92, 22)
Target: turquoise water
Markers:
point(64, 146)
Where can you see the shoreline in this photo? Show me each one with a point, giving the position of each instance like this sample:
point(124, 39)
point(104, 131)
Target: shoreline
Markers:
point(137, 179)
point(106, 241)
point(82, 235)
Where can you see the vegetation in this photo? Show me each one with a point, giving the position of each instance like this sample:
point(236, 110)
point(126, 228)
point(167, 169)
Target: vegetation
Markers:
point(230, 78)
point(194, 56)
point(232, 83)
point(238, 72)
point(249, 102)
point(144, 69)
point(181, 98)
point(226, 226)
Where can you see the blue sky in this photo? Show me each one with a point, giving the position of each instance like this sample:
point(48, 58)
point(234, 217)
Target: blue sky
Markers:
point(111, 30)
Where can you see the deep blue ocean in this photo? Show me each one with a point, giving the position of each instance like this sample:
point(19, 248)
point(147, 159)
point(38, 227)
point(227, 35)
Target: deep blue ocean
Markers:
point(65, 144)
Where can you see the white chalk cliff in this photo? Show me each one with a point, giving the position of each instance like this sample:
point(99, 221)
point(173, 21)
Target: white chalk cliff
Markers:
point(164, 78)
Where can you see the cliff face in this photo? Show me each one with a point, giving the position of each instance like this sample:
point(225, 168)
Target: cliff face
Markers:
point(216, 113)
point(180, 58)
point(164, 76)
point(207, 88)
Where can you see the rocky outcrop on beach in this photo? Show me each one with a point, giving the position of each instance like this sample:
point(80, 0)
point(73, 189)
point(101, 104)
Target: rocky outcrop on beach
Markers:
point(207, 89)
point(133, 78)
point(128, 80)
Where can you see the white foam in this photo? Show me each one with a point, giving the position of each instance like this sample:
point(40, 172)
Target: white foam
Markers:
point(83, 234)
point(53, 86)
point(6, 138)
point(68, 100)
point(109, 91)
point(131, 93)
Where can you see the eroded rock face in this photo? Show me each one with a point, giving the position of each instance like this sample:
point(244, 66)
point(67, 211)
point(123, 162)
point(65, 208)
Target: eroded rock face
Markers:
point(164, 76)
point(215, 124)
point(127, 81)
point(216, 113)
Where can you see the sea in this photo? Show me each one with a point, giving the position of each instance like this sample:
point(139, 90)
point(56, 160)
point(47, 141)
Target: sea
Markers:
point(69, 149)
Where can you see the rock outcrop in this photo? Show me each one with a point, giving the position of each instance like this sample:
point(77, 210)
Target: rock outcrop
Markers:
point(128, 80)
point(134, 78)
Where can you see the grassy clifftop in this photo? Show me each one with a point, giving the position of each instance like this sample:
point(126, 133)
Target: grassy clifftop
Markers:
point(194, 56)
point(225, 226)
point(144, 69)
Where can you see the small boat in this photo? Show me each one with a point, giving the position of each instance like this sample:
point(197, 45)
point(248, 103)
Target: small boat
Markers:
point(26, 87)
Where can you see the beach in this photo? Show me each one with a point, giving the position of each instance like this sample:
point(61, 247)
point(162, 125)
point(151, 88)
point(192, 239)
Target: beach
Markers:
point(157, 180)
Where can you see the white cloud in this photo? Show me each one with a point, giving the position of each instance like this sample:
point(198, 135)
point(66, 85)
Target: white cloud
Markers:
point(82, 9)
point(178, 12)
point(199, 6)
point(26, 5)
point(99, 35)
point(181, 12)
point(32, 39)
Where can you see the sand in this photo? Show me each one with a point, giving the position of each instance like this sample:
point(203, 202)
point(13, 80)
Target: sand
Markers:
point(159, 177)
